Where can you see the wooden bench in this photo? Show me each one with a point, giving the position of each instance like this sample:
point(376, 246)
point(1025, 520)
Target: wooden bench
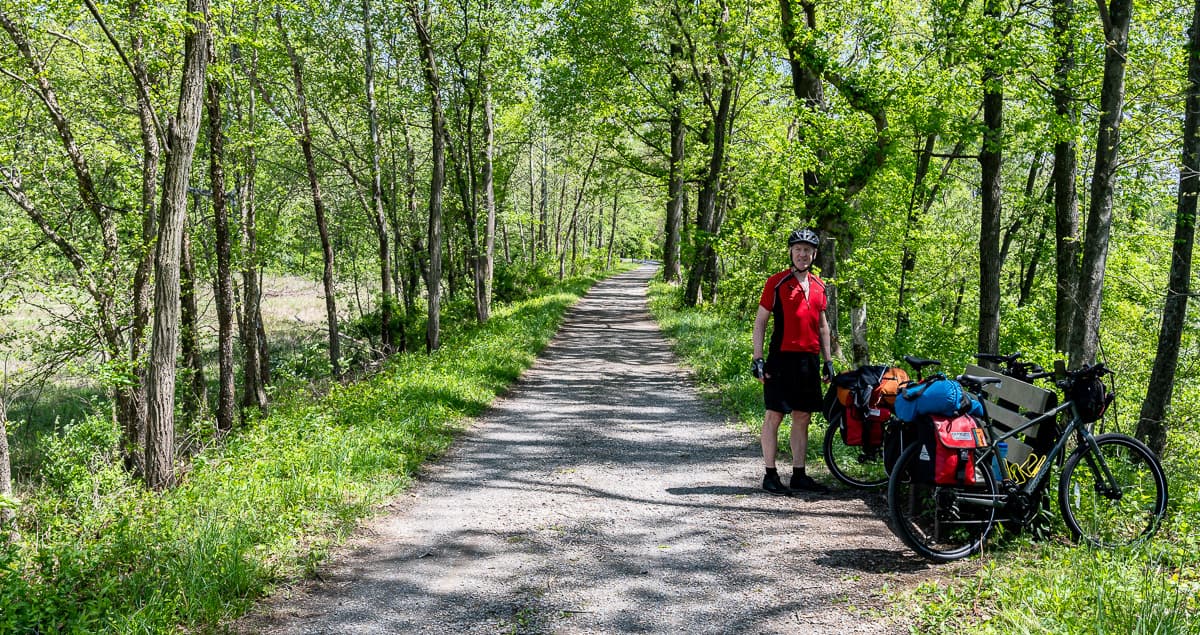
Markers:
point(1009, 405)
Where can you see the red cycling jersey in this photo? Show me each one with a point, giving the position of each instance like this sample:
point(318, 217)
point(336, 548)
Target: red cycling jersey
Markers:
point(797, 317)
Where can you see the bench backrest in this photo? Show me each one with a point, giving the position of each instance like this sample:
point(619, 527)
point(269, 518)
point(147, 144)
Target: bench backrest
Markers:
point(1009, 400)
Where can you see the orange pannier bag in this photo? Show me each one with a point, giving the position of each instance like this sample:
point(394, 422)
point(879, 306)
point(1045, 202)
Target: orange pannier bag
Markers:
point(889, 386)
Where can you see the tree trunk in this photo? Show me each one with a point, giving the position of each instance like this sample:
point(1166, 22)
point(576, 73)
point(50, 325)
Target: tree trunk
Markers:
point(386, 295)
point(1026, 210)
point(908, 257)
point(160, 435)
point(543, 206)
point(305, 139)
point(132, 400)
point(437, 180)
point(704, 238)
point(674, 219)
point(533, 217)
point(1030, 274)
point(7, 514)
point(415, 270)
point(486, 268)
point(253, 364)
point(990, 164)
point(560, 245)
point(1085, 332)
point(195, 402)
point(860, 351)
point(1152, 426)
point(612, 232)
point(226, 390)
point(572, 227)
point(1066, 199)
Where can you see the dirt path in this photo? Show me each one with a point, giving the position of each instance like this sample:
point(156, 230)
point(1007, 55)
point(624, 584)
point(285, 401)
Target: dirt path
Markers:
point(601, 496)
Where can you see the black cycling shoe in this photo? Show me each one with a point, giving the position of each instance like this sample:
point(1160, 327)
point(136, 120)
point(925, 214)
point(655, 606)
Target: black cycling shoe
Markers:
point(772, 485)
point(805, 483)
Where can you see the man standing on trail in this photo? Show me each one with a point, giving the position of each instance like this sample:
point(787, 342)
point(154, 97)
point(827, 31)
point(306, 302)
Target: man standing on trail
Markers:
point(792, 373)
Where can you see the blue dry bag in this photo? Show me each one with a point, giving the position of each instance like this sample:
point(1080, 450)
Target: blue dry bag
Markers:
point(934, 396)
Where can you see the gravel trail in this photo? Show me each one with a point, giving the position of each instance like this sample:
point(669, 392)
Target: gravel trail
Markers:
point(602, 496)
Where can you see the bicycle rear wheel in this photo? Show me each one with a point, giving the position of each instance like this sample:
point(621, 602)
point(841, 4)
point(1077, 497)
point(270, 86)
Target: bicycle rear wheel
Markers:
point(1110, 518)
point(855, 465)
point(939, 522)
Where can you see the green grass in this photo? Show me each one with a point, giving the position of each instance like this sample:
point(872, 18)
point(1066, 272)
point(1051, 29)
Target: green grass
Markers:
point(1021, 586)
point(99, 554)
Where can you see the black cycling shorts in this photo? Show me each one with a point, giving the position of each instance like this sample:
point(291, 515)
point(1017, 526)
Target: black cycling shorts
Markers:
point(794, 382)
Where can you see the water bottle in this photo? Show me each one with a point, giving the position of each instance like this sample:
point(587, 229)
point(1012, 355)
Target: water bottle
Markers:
point(1000, 455)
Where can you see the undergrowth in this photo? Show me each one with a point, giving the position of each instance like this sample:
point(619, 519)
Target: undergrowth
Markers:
point(98, 553)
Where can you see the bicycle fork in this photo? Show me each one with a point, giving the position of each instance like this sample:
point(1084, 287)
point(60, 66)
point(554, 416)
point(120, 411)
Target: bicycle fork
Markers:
point(1106, 484)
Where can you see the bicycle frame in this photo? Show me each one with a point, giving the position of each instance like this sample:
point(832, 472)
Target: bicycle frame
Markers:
point(1039, 479)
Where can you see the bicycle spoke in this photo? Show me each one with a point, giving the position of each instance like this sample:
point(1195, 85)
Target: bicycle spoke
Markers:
point(940, 523)
point(854, 465)
point(1119, 512)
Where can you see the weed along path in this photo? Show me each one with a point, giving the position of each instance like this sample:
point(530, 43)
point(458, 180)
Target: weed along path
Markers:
point(602, 496)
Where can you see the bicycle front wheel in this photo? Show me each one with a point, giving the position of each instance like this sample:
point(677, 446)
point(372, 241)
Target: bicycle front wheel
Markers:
point(1121, 512)
point(855, 465)
point(939, 522)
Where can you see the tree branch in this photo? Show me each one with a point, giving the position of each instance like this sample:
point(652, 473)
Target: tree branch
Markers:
point(137, 80)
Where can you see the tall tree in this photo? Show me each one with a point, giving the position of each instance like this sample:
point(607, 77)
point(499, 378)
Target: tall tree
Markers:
point(718, 99)
point(378, 215)
point(990, 162)
point(160, 432)
point(1066, 198)
point(226, 391)
point(485, 267)
point(1152, 426)
point(132, 408)
point(254, 358)
point(828, 189)
point(304, 137)
point(195, 398)
point(438, 178)
point(675, 177)
point(1085, 332)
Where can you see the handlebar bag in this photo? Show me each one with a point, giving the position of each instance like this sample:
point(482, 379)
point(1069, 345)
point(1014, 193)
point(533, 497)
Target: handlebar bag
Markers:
point(1091, 398)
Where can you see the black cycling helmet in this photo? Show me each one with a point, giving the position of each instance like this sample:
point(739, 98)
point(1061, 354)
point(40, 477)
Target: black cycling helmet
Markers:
point(804, 236)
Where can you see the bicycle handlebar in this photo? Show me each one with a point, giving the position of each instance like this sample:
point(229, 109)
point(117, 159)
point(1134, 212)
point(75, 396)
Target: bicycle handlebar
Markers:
point(1007, 360)
point(1086, 371)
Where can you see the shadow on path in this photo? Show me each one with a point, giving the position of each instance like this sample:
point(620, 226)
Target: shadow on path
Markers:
point(601, 496)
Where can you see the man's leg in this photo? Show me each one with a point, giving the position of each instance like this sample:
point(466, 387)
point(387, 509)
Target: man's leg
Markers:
point(770, 437)
point(799, 442)
point(799, 437)
point(770, 441)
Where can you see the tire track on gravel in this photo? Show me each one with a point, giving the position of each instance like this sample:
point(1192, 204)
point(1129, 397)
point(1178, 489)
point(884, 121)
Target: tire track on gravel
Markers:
point(602, 496)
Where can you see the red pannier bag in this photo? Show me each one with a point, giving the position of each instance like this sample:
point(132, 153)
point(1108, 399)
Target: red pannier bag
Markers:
point(956, 439)
point(868, 430)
